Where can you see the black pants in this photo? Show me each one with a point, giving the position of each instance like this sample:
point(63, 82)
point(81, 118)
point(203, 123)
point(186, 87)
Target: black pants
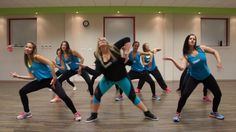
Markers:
point(157, 75)
point(58, 73)
point(37, 85)
point(183, 78)
point(144, 75)
point(84, 74)
point(192, 83)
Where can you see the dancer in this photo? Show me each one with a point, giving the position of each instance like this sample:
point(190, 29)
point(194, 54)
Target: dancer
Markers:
point(150, 65)
point(138, 71)
point(73, 59)
point(109, 60)
point(42, 69)
point(59, 63)
point(195, 58)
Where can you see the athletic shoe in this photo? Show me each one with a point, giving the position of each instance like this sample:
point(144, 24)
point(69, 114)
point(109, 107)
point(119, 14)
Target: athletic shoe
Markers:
point(150, 116)
point(206, 99)
point(77, 116)
point(167, 90)
point(156, 97)
point(74, 88)
point(55, 99)
point(176, 118)
point(217, 115)
point(93, 117)
point(119, 98)
point(24, 115)
point(137, 90)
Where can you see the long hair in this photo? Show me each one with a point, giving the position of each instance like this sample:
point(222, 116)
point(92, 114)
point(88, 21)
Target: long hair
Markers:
point(186, 44)
point(31, 56)
point(68, 50)
point(144, 47)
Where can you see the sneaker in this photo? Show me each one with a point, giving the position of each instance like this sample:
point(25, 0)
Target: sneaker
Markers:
point(137, 90)
point(93, 117)
point(206, 99)
point(176, 118)
point(74, 88)
point(24, 115)
point(150, 116)
point(77, 116)
point(119, 98)
point(55, 99)
point(156, 97)
point(167, 90)
point(217, 115)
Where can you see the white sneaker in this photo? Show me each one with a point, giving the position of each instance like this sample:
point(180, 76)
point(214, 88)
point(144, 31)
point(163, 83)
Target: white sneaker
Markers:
point(74, 88)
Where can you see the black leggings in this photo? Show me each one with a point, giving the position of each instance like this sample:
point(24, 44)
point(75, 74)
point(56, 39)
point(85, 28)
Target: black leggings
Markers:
point(182, 82)
point(192, 83)
point(37, 85)
point(145, 77)
point(157, 75)
point(58, 73)
point(84, 74)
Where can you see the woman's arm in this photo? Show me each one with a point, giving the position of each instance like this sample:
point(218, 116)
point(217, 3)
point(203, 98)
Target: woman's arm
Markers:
point(181, 67)
point(214, 52)
point(77, 54)
point(46, 61)
point(29, 77)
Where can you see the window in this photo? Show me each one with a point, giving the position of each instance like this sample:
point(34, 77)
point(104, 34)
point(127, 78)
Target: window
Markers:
point(115, 28)
point(214, 31)
point(22, 30)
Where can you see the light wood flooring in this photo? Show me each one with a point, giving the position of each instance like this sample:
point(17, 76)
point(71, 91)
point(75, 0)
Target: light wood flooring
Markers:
point(115, 116)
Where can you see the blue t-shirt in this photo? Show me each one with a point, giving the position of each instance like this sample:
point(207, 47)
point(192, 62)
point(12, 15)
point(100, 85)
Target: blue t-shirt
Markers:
point(147, 59)
point(40, 70)
point(198, 67)
point(137, 65)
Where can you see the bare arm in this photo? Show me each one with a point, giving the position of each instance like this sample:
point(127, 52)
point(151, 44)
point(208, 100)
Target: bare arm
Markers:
point(46, 61)
point(181, 67)
point(215, 53)
point(77, 54)
point(155, 50)
point(29, 77)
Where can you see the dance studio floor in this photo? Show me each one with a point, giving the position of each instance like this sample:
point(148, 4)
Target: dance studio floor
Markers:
point(115, 116)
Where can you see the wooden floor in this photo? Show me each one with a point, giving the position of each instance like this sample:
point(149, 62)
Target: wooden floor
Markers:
point(115, 116)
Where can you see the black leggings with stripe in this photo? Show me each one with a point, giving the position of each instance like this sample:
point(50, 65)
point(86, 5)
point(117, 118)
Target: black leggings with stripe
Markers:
point(157, 75)
point(191, 84)
point(37, 85)
point(84, 74)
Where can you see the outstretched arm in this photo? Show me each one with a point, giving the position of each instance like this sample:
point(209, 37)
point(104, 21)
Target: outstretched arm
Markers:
point(29, 77)
point(182, 66)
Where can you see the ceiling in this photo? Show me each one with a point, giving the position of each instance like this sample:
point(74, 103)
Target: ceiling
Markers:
point(166, 3)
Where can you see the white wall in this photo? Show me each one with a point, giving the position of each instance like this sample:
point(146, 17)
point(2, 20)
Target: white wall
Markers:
point(165, 31)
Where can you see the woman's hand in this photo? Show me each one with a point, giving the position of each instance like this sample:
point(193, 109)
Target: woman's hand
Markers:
point(14, 75)
point(53, 82)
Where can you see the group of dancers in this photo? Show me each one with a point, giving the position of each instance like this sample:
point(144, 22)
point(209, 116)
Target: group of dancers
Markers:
point(113, 59)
